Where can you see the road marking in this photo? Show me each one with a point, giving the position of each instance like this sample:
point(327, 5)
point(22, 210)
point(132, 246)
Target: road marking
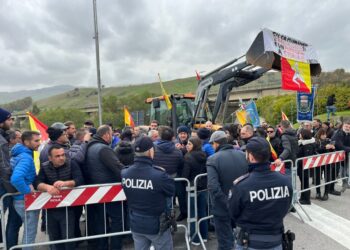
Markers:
point(330, 224)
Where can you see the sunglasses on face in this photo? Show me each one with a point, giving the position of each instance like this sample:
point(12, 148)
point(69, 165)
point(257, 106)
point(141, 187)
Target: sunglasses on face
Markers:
point(270, 131)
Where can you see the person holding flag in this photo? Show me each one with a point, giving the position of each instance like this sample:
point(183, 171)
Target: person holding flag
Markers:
point(275, 143)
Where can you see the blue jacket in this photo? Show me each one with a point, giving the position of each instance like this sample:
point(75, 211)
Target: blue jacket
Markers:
point(259, 201)
point(208, 148)
point(23, 169)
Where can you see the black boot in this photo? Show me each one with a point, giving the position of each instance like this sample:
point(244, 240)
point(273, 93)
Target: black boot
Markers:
point(318, 196)
point(325, 197)
point(305, 198)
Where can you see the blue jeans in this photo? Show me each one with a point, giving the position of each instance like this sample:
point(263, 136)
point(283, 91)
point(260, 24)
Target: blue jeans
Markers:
point(14, 223)
point(30, 221)
point(202, 212)
point(330, 109)
point(162, 241)
point(224, 232)
point(239, 247)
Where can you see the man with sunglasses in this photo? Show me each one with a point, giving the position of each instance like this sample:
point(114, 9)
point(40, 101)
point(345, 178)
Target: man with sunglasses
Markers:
point(275, 141)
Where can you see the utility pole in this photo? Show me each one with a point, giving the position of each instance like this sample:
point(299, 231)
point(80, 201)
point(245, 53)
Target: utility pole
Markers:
point(97, 46)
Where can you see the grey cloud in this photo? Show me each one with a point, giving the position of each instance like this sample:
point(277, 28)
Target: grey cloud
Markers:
point(50, 42)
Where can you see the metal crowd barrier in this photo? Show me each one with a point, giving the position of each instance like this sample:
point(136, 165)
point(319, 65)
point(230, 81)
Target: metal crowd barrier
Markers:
point(282, 169)
point(79, 196)
point(331, 164)
point(186, 227)
point(208, 216)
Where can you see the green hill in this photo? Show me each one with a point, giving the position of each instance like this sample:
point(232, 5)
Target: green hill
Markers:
point(323, 117)
point(85, 97)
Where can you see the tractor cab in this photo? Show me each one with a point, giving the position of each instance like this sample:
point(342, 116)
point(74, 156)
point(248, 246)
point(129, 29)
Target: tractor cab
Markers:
point(180, 114)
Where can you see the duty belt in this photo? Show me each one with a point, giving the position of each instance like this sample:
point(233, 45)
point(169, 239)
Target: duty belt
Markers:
point(265, 238)
point(242, 234)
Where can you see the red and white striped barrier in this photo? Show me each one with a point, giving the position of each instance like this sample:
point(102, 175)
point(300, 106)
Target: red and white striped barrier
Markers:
point(321, 160)
point(281, 168)
point(74, 197)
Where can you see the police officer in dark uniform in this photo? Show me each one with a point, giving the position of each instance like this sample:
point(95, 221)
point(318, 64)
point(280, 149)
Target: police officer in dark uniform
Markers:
point(260, 200)
point(146, 188)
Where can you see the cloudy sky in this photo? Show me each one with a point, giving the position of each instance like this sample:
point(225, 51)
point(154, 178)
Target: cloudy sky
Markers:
point(49, 42)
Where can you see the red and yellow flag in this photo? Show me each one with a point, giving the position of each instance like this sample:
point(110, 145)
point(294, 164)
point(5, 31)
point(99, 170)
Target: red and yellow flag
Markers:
point(295, 75)
point(284, 116)
point(273, 152)
point(128, 120)
point(37, 125)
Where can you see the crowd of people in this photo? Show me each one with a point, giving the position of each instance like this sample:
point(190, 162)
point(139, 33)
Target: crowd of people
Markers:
point(147, 159)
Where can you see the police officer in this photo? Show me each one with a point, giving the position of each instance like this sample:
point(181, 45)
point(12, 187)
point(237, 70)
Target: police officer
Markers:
point(260, 200)
point(146, 188)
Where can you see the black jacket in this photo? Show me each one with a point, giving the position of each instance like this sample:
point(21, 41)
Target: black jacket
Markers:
point(5, 168)
point(289, 146)
point(342, 141)
point(276, 144)
point(321, 146)
point(168, 157)
point(49, 174)
point(101, 162)
point(259, 202)
point(307, 147)
point(125, 153)
point(223, 168)
point(194, 164)
point(331, 100)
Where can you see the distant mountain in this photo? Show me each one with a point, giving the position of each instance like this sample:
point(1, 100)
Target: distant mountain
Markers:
point(36, 94)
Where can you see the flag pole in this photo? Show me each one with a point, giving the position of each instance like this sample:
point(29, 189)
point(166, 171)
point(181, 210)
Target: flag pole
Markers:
point(124, 117)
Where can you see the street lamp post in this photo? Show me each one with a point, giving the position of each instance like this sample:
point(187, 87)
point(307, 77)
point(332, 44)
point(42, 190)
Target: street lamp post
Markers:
point(97, 64)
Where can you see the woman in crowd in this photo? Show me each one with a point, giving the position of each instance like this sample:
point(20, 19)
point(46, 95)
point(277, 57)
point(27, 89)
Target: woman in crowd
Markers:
point(307, 147)
point(232, 132)
point(194, 164)
point(325, 145)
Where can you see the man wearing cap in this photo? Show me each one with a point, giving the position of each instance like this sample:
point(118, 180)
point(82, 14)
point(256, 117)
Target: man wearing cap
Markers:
point(147, 187)
point(259, 200)
point(14, 221)
point(223, 168)
point(58, 135)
